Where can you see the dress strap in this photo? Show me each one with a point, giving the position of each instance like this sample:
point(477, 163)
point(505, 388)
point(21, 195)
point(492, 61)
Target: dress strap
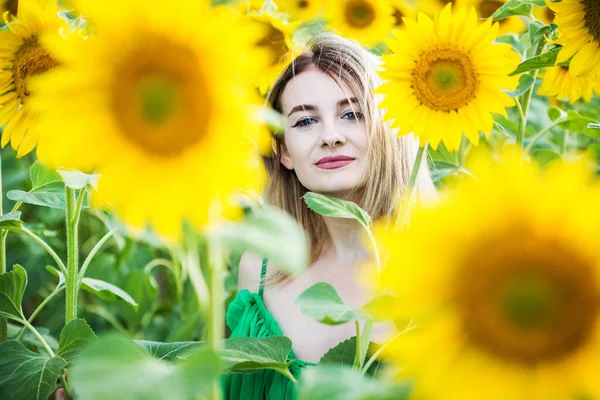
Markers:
point(263, 273)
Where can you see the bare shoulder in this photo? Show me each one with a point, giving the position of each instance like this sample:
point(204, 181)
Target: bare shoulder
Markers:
point(249, 271)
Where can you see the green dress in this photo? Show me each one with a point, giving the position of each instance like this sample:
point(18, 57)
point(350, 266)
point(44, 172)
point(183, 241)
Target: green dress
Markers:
point(247, 316)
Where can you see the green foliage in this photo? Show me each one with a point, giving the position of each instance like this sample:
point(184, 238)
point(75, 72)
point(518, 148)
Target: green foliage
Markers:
point(250, 354)
point(106, 290)
point(12, 287)
point(11, 221)
point(516, 8)
point(25, 375)
point(345, 352)
point(168, 351)
point(322, 303)
point(333, 207)
point(542, 61)
point(75, 337)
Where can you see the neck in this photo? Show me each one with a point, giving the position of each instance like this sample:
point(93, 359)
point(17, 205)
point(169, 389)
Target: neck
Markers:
point(347, 243)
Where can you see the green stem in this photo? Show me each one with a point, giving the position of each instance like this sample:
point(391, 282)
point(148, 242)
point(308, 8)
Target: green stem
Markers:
point(66, 388)
point(46, 247)
point(90, 256)
point(39, 308)
point(72, 256)
point(374, 247)
point(39, 337)
point(216, 329)
point(101, 312)
point(82, 194)
point(383, 346)
point(403, 215)
point(564, 142)
point(357, 360)
point(542, 133)
point(526, 99)
point(3, 321)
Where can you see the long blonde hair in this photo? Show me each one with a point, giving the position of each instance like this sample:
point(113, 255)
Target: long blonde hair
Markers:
point(390, 158)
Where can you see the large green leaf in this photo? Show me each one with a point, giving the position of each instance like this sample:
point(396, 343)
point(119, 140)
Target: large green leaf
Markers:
point(344, 353)
point(516, 7)
point(322, 303)
point(336, 382)
point(51, 195)
point(116, 367)
point(248, 354)
point(12, 287)
point(336, 208)
point(544, 60)
point(11, 221)
point(576, 122)
point(75, 337)
point(525, 82)
point(106, 291)
point(25, 375)
point(168, 351)
point(41, 176)
point(272, 233)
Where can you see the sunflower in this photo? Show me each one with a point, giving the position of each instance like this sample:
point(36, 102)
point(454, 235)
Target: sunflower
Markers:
point(12, 6)
point(446, 77)
point(544, 14)
point(23, 56)
point(276, 39)
point(247, 6)
point(301, 10)
point(579, 33)
point(401, 9)
point(156, 103)
point(559, 83)
point(484, 8)
point(504, 281)
point(368, 21)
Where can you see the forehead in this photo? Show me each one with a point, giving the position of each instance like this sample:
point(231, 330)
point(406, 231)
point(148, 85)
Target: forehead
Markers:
point(314, 87)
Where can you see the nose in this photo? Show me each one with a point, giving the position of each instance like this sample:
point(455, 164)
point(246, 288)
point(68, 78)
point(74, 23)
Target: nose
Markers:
point(333, 138)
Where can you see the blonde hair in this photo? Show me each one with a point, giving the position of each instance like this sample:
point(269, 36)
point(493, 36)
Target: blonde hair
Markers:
point(390, 158)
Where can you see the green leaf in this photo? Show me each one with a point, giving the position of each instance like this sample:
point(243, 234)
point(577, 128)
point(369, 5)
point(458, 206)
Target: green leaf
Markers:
point(77, 179)
point(322, 303)
point(544, 60)
point(55, 272)
point(51, 195)
point(513, 40)
point(75, 337)
point(442, 170)
point(578, 123)
point(381, 302)
point(270, 232)
point(513, 8)
point(116, 366)
point(336, 208)
point(343, 354)
point(249, 354)
point(26, 375)
point(12, 287)
point(106, 291)
point(11, 221)
point(41, 176)
point(555, 113)
point(335, 382)
point(525, 82)
point(30, 339)
point(273, 119)
point(168, 351)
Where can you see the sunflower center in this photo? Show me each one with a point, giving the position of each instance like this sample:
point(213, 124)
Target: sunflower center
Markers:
point(302, 4)
point(12, 6)
point(488, 7)
point(527, 302)
point(359, 13)
point(592, 17)
point(398, 17)
point(160, 98)
point(274, 41)
point(445, 79)
point(31, 59)
point(549, 13)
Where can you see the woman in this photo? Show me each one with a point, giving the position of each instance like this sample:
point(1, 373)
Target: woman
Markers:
point(334, 143)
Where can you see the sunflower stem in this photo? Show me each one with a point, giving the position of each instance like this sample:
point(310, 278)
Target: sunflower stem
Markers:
point(3, 233)
point(402, 217)
point(526, 99)
point(216, 331)
point(538, 136)
point(564, 142)
point(56, 291)
point(72, 221)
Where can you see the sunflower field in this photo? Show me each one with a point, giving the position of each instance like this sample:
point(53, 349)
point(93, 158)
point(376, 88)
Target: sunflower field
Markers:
point(132, 171)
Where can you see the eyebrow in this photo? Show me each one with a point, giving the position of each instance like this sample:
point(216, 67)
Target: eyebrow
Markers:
point(310, 107)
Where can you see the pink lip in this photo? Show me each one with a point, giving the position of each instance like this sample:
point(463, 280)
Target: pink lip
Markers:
point(333, 162)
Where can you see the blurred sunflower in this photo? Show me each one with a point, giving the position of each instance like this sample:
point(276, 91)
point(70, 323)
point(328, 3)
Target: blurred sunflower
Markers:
point(504, 279)
point(402, 9)
point(156, 103)
point(559, 83)
point(484, 8)
point(12, 6)
point(22, 56)
point(302, 10)
point(544, 14)
point(276, 38)
point(368, 21)
point(247, 6)
point(579, 33)
point(445, 77)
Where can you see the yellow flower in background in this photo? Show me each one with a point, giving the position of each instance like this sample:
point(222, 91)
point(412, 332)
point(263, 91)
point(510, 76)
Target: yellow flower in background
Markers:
point(368, 21)
point(446, 77)
point(158, 105)
point(558, 82)
point(247, 6)
point(276, 39)
point(11, 6)
point(544, 14)
point(484, 8)
point(402, 9)
point(302, 10)
point(23, 56)
point(579, 33)
point(503, 278)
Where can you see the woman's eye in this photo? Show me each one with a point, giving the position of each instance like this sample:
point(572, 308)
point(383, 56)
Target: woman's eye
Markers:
point(353, 115)
point(305, 122)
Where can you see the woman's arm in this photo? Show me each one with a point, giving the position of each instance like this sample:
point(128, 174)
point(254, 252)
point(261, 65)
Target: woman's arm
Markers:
point(249, 271)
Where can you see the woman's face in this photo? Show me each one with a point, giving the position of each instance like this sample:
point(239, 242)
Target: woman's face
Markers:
point(326, 138)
